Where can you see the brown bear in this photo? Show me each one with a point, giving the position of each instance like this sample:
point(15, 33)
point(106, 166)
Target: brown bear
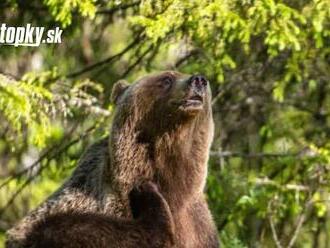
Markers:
point(152, 226)
point(162, 131)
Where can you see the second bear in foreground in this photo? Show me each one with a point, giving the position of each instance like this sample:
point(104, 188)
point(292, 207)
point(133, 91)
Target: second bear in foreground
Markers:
point(152, 226)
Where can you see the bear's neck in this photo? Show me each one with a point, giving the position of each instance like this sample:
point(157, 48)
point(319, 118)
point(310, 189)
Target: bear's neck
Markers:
point(181, 162)
point(176, 159)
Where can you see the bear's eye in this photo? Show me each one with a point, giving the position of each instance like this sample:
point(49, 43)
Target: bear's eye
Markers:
point(167, 81)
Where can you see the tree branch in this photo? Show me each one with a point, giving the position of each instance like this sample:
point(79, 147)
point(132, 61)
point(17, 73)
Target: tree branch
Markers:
point(137, 61)
point(301, 221)
point(228, 154)
point(118, 8)
point(266, 181)
point(190, 54)
point(274, 233)
point(40, 169)
point(107, 60)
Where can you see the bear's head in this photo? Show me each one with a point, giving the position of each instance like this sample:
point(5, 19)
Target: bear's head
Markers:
point(162, 130)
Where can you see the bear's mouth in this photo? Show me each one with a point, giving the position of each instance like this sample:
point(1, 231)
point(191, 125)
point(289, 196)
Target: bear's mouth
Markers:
point(193, 103)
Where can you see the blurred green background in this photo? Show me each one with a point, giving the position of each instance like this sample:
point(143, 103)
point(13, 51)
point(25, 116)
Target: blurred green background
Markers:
point(269, 66)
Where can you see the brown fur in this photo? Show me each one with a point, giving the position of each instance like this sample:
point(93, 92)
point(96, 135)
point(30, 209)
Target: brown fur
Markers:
point(152, 228)
point(152, 138)
point(153, 141)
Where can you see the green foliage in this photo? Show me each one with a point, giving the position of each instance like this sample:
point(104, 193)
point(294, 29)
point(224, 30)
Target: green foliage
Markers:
point(27, 103)
point(217, 25)
point(62, 10)
point(268, 65)
point(18, 102)
point(229, 241)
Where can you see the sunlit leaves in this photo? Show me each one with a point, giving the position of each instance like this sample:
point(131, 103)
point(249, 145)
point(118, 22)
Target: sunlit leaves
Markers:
point(320, 205)
point(278, 91)
point(280, 23)
point(62, 10)
point(217, 25)
point(272, 60)
point(30, 106)
point(19, 102)
point(320, 22)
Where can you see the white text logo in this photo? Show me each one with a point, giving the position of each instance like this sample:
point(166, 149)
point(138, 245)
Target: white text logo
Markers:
point(28, 35)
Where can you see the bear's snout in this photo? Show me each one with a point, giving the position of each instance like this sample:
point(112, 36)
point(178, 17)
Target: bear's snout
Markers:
point(198, 83)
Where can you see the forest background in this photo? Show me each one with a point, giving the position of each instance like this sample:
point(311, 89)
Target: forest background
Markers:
point(268, 62)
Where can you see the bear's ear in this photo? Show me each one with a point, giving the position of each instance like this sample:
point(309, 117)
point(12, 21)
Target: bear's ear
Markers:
point(118, 89)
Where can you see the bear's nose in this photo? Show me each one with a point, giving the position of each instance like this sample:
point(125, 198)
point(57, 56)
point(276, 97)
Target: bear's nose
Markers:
point(198, 81)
